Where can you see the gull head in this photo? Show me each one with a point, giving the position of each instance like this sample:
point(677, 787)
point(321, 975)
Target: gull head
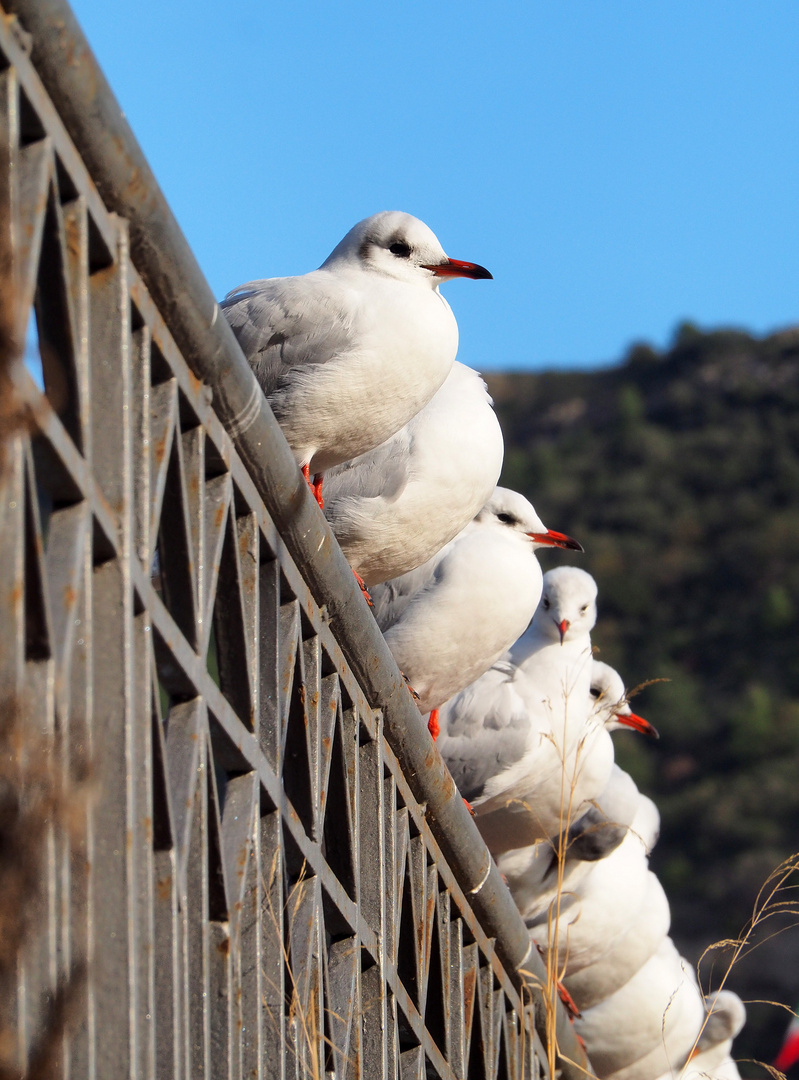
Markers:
point(399, 246)
point(509, 512)
point(567, 609)
point(610, 706)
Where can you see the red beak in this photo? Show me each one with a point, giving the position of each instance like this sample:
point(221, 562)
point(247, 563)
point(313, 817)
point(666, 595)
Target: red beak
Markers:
point(556, 539)
point(637, 723)
point(456, 268)
point(563, 627)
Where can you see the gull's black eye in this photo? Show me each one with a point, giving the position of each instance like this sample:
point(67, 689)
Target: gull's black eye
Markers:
point(507, 519)
point(400, 249)
point(546, 604)
point(583, 609)
point(595, 692)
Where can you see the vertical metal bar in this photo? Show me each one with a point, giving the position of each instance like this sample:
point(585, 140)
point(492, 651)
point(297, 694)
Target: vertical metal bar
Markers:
point(271, 892)
point(168, 1012)
point(141, 841)
point(114, 868)
point(251, 961)
point(196, 919)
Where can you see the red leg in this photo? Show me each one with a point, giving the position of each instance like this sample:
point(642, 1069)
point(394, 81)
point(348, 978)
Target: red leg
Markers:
point(568, 1002)
point(433, 725)
point(315, 485)
point(468, 806)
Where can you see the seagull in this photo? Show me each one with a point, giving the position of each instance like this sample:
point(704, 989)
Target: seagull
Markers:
point(566, 755)
point(606, 822)
point(533, 877)
point(654, 1016)
point(393, 508)
point(348, 353)
point(727, 1069)
point(611, 706)
point(627, 954)
point(448, 621)
point(726, 1016)
point(506, 757)
point(596, 911)
point(490, 727)
point(532, 872)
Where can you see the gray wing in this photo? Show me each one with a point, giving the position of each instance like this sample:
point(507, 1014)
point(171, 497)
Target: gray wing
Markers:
point(603, 827)
point(281, 323)
point(382, 473)
point(725, 1021)
point(484, 730)
point(594, 836)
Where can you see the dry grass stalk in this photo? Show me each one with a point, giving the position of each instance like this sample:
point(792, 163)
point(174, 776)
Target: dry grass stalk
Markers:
point(772, 900)
point(34, 798)
point(308, 1025)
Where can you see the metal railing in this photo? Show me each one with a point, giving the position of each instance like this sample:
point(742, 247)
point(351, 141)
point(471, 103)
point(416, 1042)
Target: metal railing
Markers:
point(269, 872)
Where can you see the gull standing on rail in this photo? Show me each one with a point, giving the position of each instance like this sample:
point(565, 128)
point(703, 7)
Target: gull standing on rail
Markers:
point(348, 353)
point(395, 507)
point(448, 621)
point(532, 872)
point(655, 1016)
point(536, 784)
point(726, 1016)
point(627, 954)
point(488, 730)
point(596, 911)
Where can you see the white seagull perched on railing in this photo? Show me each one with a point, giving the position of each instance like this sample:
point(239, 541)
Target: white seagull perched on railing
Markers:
point(449, 620)
point(648, 1026)
point(539, 773)
point(533, 874)
point(348, 353)
point(395, 507)
point(710, 1058)
point(596, 911)
point(625, 955)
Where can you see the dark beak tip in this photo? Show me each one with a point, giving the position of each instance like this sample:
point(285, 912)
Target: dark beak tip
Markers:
point(642, 726)
point(572, 545)
point(459, 268)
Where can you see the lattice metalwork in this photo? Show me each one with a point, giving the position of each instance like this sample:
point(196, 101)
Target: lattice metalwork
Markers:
point(252, 884)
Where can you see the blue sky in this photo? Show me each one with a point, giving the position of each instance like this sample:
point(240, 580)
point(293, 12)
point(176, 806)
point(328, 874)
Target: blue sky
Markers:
point(618, 165)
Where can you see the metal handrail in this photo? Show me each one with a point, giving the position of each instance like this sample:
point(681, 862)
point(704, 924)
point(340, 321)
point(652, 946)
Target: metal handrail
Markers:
point(95, 122)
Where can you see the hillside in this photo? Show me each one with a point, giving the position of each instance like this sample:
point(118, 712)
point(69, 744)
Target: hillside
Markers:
point(679, 473)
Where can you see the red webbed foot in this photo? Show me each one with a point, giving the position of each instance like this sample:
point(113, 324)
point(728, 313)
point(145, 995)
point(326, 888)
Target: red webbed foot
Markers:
point(433, 725)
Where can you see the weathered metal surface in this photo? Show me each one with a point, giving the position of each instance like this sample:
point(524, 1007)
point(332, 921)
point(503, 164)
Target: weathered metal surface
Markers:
point(276, 875)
